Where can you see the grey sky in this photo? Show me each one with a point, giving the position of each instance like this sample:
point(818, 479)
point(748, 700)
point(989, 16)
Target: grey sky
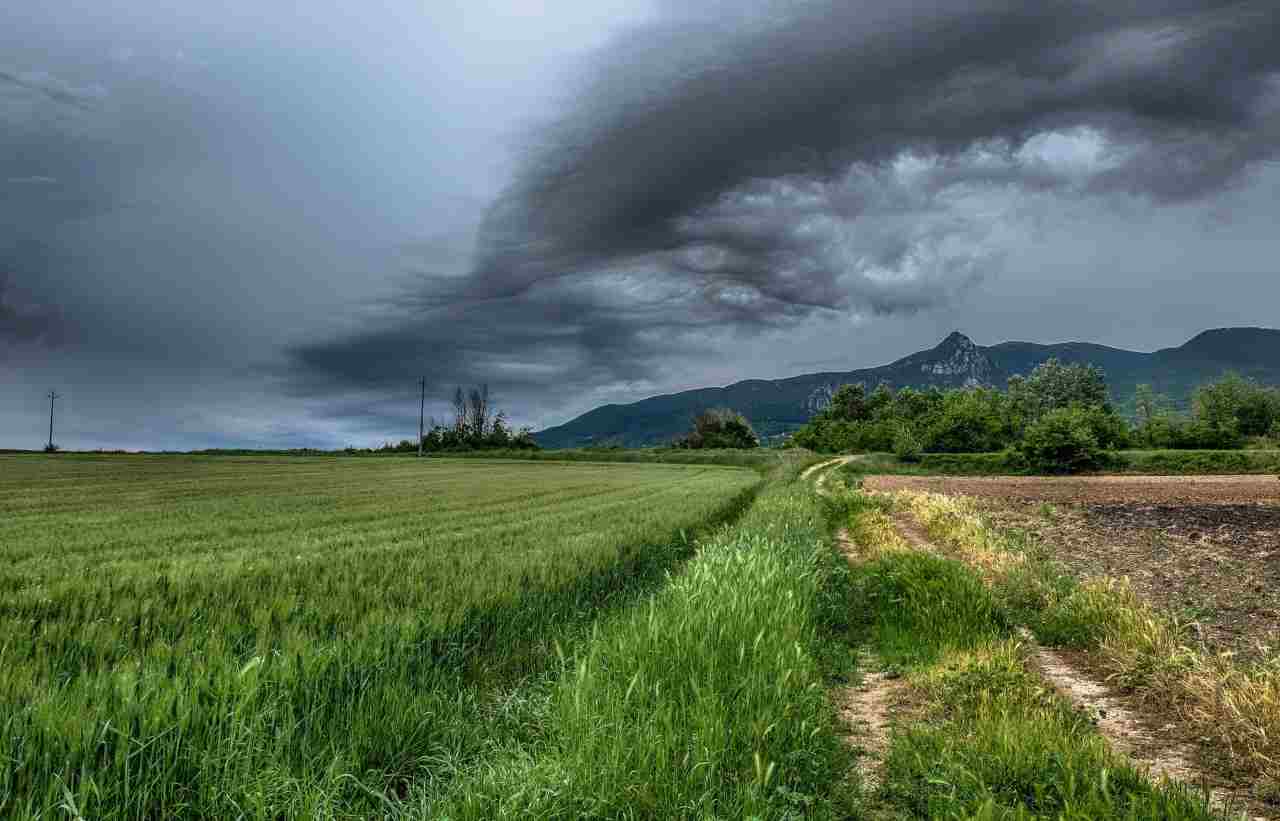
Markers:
point(236, 224)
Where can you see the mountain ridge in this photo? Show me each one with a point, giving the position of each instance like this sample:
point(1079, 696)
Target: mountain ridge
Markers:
point(778, 406)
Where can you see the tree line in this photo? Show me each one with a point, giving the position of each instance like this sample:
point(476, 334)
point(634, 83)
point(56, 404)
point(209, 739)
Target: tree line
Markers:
point(1059, 417)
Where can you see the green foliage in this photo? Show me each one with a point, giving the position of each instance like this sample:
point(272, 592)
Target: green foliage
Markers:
point(217, 637)
point(1194, 462)
point(719, 428)
point(964, 420)
point(705, 702)
point(922, 605)
point(1054, 386)
point(1063, 441)
point(968, 421)
point(906, 444)
point(1223, 415)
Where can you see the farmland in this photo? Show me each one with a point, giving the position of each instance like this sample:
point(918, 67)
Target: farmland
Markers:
point(1204, 548)
point(276, 637)
point(213, 637)
point(1146, 602)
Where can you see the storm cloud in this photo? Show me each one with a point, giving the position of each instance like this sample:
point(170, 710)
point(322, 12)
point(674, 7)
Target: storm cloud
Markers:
point(719, 172)
point(239, 224)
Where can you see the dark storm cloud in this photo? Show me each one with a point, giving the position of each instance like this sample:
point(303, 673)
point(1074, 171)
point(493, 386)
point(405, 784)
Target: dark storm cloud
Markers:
point(727, 170)
point(24, 320)
point(52, 89)
point(683, 120)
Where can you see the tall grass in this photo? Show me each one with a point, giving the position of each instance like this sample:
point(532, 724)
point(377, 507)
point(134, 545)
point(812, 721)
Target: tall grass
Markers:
point(761, 459)
point(705, 702)
point(273, 637)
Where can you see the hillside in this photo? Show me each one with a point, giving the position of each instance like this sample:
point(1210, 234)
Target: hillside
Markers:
point(779, 406)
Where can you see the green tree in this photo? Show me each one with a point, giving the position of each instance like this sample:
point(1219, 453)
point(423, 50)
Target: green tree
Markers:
point(720, 428)
point(1053, 385)
point(1062, 441)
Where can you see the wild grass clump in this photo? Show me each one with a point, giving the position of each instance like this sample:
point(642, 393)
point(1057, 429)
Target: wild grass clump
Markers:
point(705, 702)
point(926, 604)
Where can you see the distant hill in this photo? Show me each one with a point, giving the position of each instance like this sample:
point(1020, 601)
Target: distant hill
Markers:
point(778, 406)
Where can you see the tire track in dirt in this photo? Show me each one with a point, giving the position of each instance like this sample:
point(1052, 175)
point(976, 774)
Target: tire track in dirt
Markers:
point(1125, 728)
point(867, 708)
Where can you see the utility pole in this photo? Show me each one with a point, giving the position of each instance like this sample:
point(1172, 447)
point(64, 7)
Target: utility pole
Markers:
point(422, 409)
point(53, 395)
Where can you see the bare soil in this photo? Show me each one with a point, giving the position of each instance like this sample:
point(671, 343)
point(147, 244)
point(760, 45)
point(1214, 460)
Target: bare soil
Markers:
point(1169, 490)
point(1206, 549)
point(868, 711)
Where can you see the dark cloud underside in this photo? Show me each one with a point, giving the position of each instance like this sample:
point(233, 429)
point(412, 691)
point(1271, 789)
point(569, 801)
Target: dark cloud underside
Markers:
point(723, 172)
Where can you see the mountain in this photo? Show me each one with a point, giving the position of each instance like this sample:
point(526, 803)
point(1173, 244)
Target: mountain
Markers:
point(778, 406)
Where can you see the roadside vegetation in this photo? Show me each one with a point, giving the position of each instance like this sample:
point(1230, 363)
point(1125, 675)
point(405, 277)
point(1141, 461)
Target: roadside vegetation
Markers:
point(1232, 705)
point(1059, 419)
point(978, 735)
point(214, 637)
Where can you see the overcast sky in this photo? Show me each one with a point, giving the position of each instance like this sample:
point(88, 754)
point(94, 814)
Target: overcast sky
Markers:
point(245, 224)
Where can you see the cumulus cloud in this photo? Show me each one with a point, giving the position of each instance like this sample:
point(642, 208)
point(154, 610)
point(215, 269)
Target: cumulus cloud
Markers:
point(741, 166)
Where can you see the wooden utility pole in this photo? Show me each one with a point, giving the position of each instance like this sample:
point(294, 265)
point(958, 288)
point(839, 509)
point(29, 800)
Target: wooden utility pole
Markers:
point(422, 409)
point(53, 395)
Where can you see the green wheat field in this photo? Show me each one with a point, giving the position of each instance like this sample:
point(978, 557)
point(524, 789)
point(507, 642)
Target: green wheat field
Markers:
point(224, 636)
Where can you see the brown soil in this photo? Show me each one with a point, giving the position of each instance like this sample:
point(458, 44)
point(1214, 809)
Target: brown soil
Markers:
point(1215, 564)
point(868, 710)
point(1213, 490)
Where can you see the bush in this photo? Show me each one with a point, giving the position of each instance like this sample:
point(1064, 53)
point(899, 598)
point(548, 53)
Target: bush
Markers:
point(720, 428)
point(906, 445)
point(969, 421)
point(1063, 441)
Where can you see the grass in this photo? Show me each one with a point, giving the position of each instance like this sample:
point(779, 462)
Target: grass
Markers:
point(761, 459)
point(706, 701)
point(1234, 706)
point(985, 737)
point(273, 637)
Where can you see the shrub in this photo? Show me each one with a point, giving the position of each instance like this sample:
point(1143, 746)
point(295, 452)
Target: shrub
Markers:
point(968, 422)
point(720, 428)
point(906, 445)
point(1063, 441)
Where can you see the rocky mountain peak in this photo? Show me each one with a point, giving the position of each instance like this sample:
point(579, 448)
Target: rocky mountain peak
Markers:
point(958, 356)
point(955, 339)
